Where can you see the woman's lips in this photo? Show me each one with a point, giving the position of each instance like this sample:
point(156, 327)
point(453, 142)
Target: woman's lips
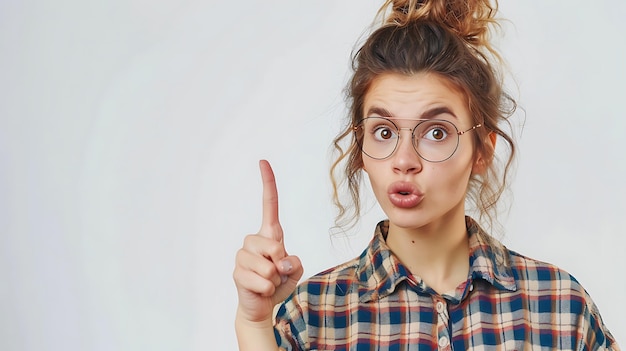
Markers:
point(404, 195)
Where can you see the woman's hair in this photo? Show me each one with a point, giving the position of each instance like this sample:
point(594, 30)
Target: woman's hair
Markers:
point(449, 38)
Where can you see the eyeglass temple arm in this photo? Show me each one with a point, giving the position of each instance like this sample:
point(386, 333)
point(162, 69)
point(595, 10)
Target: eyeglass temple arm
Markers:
point(469, 130)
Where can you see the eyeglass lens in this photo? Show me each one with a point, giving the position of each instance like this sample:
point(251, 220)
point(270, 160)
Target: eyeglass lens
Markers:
point(434, 140)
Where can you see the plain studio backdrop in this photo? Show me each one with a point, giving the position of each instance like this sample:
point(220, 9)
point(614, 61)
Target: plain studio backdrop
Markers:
point(130, 133)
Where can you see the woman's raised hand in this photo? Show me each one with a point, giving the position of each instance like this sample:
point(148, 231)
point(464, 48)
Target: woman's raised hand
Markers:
point(264, 273)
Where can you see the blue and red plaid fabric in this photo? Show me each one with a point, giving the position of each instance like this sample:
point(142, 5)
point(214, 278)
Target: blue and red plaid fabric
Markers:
point(509, 302)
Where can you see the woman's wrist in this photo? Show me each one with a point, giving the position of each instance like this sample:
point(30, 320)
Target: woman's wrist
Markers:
point(255, 335)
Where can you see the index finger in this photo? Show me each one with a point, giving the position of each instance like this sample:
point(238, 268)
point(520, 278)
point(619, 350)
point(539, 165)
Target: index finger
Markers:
point(270, 221)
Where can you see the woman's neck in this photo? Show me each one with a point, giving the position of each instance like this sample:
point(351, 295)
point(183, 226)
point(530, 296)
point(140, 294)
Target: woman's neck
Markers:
point(438, 253)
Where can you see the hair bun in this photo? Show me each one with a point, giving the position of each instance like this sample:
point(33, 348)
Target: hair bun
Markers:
point(470, 19)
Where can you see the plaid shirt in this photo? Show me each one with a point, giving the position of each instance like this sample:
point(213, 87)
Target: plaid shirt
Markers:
point(509, 302)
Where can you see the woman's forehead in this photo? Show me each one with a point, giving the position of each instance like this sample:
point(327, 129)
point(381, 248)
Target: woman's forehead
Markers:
point(413, 96)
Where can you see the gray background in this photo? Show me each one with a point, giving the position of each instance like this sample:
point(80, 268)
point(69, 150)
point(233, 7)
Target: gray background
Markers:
point(130, 133)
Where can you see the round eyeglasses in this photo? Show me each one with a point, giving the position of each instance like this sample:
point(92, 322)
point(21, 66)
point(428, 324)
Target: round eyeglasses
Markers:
point(434, 140)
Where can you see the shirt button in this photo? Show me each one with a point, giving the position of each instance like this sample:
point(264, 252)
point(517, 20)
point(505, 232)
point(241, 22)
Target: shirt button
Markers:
point(440, 307)
point(443, 341)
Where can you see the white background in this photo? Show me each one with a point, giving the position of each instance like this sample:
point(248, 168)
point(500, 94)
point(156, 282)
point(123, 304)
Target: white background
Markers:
point(130, 133)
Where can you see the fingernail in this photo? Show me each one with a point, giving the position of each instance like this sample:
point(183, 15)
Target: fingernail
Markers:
point(283, 279)
point(286, 266)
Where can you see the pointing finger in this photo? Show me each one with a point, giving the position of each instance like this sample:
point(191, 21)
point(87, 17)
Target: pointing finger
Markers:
point(270, 226)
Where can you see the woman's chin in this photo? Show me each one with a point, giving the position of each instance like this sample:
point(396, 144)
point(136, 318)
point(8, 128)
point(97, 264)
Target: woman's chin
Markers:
point(407, 220)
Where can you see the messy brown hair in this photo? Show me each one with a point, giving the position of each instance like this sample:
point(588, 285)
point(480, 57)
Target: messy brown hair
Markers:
point(449, 38)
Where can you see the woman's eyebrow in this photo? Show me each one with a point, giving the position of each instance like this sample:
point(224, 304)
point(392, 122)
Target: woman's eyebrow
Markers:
point(428, 114)
point(434, 112)
point(378, 111)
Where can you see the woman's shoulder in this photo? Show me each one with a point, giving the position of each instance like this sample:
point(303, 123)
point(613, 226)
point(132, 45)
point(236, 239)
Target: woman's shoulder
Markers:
point(551, 289)
point(537, 276)
point(341, 278)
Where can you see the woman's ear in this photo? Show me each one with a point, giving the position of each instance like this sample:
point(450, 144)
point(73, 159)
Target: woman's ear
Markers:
point(483, 161)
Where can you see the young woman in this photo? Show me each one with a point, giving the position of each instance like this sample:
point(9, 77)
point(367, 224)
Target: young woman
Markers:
point(427, 109)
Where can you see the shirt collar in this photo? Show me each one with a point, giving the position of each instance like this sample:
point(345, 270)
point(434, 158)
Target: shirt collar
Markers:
point(489, 259)
point(380, 271)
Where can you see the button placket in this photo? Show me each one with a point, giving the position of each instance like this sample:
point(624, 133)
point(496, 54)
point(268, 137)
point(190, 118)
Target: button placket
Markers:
point(443, 319)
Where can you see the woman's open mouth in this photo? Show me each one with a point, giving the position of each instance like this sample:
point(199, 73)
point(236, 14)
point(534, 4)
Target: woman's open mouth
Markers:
point(404, 195)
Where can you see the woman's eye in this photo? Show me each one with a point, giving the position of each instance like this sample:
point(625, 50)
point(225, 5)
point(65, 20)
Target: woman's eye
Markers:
point(383, 133)
point(436, 134)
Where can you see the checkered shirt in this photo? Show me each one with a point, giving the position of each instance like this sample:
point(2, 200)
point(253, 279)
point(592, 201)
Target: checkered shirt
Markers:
point(509, 302)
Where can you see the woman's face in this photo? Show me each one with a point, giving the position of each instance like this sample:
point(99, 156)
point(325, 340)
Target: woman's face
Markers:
point(412, 192)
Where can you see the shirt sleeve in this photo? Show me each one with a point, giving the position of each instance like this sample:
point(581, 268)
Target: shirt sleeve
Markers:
point(594, 334)
point(288, 326)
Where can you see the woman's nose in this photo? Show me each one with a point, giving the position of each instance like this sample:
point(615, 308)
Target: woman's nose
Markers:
point(406, 159)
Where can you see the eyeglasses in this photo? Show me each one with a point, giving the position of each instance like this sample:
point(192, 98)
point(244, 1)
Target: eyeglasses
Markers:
point(434, 140)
